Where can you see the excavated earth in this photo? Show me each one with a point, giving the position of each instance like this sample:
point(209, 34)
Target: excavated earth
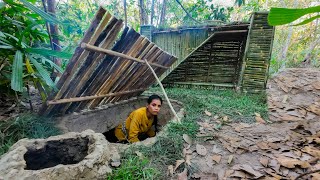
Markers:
point(286, 148)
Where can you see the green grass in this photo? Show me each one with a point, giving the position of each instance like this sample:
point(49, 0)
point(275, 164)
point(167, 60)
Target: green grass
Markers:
point(168, 149)
point(24, 126)
point(237, 106)
point(134, 168)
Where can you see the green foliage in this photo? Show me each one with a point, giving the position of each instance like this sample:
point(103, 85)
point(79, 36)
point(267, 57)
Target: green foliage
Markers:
point(25, 126)
point(23, 37)
point(281, 16)
point(134, 168)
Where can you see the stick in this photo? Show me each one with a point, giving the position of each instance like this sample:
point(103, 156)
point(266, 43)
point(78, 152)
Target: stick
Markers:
point(76, 99)
point(114, 53)
point(164, 92)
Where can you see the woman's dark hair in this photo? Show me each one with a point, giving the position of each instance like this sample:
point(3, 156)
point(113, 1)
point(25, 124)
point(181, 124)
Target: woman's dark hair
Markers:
point(155, 118)
point(154, 96)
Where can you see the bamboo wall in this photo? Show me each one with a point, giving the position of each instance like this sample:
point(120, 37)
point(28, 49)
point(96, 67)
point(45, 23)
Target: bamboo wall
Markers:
point(220, 56)
point(258, 54)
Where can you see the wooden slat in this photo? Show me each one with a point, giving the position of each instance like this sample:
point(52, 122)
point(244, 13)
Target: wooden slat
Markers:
point(84, 98)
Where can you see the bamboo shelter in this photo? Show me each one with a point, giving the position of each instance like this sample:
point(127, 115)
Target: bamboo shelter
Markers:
point(108, 66)
point(230, 56)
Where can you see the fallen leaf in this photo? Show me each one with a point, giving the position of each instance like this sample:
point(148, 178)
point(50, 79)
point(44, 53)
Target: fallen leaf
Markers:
point(141, 156)
point(225, 118)
point(247, 168)
point(170, 170)
point(239, 174)
point(187, 138)
point(186, 151)
point(260, 120)
point(285, 98)
point(274, 165)
point(316, 85)
point(207, 113)
point(276, 176)
point(315, 109)
point(216, 150)
point(273, 145)
point(216, 158)
point(178, 163)
point(201, 150)
point(230, 159)
point(228, 173)
point(263, 145)
point(188, 159)
point(264, 161)
point(312, 151)
point(183, 175)
point(291, 163)
point(315, 176)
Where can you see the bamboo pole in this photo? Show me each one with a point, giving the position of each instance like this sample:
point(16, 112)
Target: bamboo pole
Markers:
point(114, 53)
point(164, 92)
point(84, 98)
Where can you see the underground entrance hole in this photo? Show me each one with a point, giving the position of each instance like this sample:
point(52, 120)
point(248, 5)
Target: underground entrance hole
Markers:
point(107, 117)
point(66, 151)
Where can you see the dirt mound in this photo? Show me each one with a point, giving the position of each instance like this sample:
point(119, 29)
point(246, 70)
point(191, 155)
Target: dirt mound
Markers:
point(294, 95)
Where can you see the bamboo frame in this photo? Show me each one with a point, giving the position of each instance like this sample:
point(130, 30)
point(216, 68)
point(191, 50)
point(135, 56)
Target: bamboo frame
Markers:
point(164, 92)
point(84, 98)
point(114, 53)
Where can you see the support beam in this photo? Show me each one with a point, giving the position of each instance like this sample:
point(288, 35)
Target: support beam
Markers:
point(114, 53)
point(84, 98)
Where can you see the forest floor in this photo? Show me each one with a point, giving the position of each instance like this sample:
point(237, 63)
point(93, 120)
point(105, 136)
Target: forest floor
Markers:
point(230, 135)
point(285, 147)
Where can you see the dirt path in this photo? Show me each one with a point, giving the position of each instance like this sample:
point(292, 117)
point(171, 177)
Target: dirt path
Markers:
point(285, 149)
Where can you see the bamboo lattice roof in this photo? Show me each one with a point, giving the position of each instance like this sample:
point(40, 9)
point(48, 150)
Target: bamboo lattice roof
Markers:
point(108, 66)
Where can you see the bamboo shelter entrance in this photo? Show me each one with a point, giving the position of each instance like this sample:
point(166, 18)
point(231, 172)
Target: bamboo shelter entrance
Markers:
point(230, 56)
point(108, 66)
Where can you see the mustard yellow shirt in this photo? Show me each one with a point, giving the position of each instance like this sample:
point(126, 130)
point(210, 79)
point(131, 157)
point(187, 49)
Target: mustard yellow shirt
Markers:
point(137, 123)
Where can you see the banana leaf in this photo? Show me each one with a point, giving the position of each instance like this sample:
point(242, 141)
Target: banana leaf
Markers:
point(16, 78)
point(281, 16)
point(48, 52)
point(41, 13)
point(44, 74)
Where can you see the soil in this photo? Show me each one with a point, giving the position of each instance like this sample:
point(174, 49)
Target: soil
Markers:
point(286, 148)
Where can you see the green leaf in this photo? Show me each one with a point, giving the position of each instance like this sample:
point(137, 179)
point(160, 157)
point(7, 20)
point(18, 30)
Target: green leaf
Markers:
point(6, 47)
point(308, 20)
point(43, 72)
point(16, 78)
point(58, 68)
point(280, 16)
point(41, 13)
point(47, 52)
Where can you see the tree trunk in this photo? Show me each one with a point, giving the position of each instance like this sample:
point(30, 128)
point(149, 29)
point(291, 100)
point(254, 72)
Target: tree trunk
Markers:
point(152, 12)
point(163, 12)
point(143, 14)
point(307, 58)
point(125, 12)
point(54, 32)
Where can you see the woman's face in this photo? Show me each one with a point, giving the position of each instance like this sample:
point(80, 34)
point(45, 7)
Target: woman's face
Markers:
point(154, 106)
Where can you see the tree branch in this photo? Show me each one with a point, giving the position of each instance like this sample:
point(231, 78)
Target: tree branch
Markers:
point(187, 12)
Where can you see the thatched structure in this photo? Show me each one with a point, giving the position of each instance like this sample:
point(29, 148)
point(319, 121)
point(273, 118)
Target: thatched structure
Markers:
point(108, 67)
point(230, 56)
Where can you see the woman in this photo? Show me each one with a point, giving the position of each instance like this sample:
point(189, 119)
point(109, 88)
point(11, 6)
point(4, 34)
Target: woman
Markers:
point(137, 126)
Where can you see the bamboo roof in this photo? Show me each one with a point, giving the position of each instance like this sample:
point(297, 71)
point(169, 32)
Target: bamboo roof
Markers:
point(107, 66)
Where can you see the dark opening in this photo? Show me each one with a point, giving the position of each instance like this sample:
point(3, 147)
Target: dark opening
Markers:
point(110, 136)
point(67, 151)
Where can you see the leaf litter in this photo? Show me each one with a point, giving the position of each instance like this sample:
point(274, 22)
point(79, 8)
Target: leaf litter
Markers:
point(288, 148)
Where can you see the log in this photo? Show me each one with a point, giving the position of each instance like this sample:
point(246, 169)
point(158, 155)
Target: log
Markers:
point(114, 53)
point(84, 98)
